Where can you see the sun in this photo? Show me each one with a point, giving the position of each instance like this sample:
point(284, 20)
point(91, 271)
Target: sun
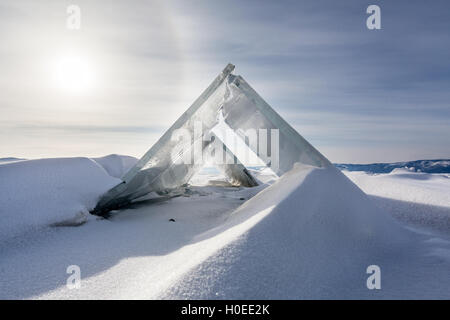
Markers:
point(73, 74)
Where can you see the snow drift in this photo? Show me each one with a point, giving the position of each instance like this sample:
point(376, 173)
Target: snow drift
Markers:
point(416, 198)
point(60, 191)
point(317, 235)
point(116, 165)
point(311, 234)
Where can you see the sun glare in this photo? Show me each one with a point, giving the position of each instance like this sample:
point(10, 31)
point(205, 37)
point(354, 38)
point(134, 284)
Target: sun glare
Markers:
point(73, 75)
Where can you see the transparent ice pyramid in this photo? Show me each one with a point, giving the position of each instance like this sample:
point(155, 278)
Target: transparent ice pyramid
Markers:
point(228, 117)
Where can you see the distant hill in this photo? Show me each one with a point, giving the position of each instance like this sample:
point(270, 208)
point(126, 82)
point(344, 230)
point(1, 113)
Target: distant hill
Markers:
point(428, 166)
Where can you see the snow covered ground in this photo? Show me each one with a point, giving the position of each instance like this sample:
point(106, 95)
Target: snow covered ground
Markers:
point(419, 199)
point(310, 234)
point(38, 193)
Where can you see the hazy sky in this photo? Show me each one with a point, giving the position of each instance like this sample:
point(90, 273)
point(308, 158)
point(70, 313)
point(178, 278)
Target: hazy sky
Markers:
point(357, 95)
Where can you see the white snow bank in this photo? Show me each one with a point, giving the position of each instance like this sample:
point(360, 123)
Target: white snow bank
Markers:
point(116, 165)
point(419, 199)
point(37, 193)
point(311, 235)
point(406, 185)
point(317, 233)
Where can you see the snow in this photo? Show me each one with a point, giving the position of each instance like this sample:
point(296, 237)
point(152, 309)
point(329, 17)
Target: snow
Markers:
point(310, 234)
point(134, 254)
point(38, 193)
point(403, 184)
point(317, 233)
point(116, 165)
point(418, 199)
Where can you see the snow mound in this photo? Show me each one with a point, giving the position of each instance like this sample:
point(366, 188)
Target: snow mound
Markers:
point(404, 185)
point(60, 191)
point(116, 165)
point(418, 199)
point(317, 233)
